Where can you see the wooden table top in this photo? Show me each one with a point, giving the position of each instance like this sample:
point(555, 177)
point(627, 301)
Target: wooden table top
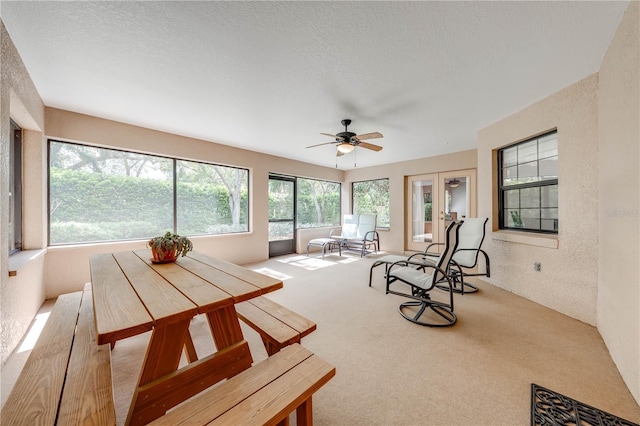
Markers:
point(132, 295)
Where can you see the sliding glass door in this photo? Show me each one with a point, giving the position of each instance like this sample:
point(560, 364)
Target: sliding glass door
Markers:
point(282, 215)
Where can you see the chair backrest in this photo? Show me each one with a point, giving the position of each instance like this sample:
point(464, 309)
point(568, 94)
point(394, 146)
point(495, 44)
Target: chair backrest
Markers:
point(450, 246)
point(471, 236)
point(367, 224)
point(350, 226)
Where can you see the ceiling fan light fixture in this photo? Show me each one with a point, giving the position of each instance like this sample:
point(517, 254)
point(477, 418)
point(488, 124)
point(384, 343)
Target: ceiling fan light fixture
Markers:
point(453, 183)
point(345, 147)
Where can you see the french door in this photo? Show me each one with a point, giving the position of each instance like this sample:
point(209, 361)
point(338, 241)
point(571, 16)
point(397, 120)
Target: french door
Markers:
point(432, 201)
point(282, 215)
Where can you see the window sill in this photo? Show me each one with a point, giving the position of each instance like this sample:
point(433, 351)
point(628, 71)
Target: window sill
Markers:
point(18, 260)
point(538, 240)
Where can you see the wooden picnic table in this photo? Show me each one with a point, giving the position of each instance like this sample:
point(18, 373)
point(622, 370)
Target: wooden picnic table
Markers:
point(132, 295)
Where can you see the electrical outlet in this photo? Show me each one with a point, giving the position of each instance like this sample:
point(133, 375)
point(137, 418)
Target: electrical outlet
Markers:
point(537, 266)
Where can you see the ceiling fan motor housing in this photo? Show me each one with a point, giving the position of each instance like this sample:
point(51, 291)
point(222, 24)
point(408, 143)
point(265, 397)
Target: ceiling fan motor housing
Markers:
point(346, 136)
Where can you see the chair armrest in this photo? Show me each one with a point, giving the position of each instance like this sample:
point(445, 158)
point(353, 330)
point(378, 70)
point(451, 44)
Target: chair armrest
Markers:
point(426, 250)
point(331, 234)
point(375, 236)
point(424, 258)
point(409, 262)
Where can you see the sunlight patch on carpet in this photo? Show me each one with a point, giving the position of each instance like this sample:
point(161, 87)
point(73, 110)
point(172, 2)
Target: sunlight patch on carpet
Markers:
point(313, 263)
point(274, 274)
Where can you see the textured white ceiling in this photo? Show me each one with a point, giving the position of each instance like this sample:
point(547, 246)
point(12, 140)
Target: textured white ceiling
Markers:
point(270, 76)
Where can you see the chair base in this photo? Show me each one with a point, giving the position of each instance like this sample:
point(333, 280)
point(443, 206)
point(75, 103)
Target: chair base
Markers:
point(446, 314)
point(461, 289)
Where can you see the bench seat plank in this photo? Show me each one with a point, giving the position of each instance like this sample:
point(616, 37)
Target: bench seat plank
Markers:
point(36, 394)
point(264, 394)
point(269, 327)
point(299, 323)
point(87, 397)
point(275, 401)
point(277, 325)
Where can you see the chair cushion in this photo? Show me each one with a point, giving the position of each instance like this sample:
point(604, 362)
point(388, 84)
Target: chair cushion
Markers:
point(470, 236)
point(415, 277)
point(391, 258)
point(350, 226)
point(320, 241)
point(367, 223)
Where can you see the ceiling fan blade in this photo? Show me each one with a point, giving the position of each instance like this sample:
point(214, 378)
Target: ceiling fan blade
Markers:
point(330, 135)
point(320, 144)
point(374, 135)
point(370, 146)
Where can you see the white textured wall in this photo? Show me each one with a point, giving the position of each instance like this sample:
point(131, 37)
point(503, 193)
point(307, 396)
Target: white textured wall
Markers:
point(619, 187)
point(568, 279)
point(20, 296)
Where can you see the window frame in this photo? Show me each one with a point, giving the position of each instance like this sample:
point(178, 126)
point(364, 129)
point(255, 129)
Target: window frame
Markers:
point(15, 188)
point(388, 204)
point(502, 189)
point(298, 178)
point(174, 178)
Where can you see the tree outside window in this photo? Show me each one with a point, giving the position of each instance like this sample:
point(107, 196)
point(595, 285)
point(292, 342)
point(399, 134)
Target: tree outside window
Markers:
point(372, 197)
point(98, 194)
point(318, 203)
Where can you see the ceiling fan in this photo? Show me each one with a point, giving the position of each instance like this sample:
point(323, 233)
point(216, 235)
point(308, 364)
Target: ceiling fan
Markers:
point(347, 141)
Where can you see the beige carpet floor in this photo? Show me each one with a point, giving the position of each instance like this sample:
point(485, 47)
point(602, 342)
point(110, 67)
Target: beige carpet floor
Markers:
point(390, 371)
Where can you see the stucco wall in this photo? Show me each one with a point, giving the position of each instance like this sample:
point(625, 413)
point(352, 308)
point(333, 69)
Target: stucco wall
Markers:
point(393, 239)
point(618, 316)
point(568, 279)
point(20, 296)
point(67, 268)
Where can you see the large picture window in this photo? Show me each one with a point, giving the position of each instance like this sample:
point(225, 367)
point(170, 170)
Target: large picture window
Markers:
point(318, 203)
point(528, 185)
point(372, 196)
point(99, 194)
point(211, 199)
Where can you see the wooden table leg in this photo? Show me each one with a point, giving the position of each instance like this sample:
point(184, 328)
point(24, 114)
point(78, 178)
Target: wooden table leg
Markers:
point(225, 326)
point(304, 414)
point(162, 357)
point(160, 366)
point(190, 348)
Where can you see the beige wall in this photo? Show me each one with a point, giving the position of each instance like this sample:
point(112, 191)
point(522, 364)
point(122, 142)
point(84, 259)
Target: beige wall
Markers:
point(568, 279)
point(618, 315)
point(589, 271)
point(67, 268)
point(393, 240)
point(22, 295)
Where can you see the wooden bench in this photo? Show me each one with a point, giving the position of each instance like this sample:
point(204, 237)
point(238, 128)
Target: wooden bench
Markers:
point(67, 377)
point(278, 326)
point(264, 394)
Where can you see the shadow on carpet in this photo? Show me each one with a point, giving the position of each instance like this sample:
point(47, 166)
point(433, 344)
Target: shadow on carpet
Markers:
point(551, 408)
